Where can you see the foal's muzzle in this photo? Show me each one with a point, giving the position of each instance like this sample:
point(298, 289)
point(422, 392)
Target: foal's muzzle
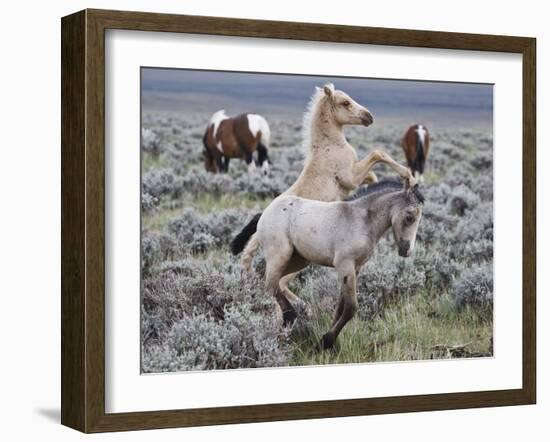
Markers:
point(404, 248)
point(366, 118)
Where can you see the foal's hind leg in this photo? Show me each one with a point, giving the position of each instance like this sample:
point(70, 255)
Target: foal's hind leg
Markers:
point(289, 294)
point(295, 265)
point(276, 263)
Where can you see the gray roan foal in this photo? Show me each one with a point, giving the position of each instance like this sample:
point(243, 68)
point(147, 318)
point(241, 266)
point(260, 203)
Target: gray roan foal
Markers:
point(294, 232)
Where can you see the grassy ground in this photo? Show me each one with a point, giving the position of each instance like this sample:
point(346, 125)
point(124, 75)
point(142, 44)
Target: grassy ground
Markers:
point(422, 326)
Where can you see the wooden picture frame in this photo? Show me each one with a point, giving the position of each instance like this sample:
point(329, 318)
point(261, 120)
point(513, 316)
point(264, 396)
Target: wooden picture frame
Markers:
point(83, 220)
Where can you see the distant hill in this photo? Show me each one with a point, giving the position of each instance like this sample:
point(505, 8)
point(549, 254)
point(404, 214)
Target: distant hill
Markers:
point(207, 91)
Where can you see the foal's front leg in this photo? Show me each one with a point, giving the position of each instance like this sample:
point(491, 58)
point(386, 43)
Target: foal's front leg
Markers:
point(361, 172)
point(347, 305)
point(370, 179)
point(362, 168)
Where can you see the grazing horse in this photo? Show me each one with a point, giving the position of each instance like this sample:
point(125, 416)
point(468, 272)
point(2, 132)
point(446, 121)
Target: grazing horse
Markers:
point(416, 144)
point(332, 169)
point(295, 232)
point(236, 137)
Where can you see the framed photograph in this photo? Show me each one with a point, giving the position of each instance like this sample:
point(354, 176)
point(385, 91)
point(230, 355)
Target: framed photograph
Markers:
point(266, 221)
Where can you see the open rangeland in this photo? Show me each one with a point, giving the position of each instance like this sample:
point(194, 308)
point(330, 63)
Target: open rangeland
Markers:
point(200, 312)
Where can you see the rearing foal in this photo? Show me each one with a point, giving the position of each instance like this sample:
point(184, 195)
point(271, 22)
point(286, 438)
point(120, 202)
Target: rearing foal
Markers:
point(294, 232)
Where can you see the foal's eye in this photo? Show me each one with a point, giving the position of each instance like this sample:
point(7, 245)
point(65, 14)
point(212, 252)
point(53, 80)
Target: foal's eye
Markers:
point(345, 103)
point(409, 219)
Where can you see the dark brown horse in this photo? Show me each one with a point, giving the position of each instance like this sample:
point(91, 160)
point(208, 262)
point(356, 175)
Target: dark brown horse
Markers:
point(416, 144)
point(236, 137)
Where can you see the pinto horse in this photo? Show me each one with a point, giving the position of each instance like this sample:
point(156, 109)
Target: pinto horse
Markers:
point(236, 137)
point(416, 144)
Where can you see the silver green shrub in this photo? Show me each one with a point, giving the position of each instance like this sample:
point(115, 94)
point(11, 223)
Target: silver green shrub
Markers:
point(150, 141)
point(462, 199)
point(148, 202)
point(197, 233)
point(200, 181)
point(200, 342)
point(159, 182)
point(151, 252)
point(211, 319)
point(474, 286)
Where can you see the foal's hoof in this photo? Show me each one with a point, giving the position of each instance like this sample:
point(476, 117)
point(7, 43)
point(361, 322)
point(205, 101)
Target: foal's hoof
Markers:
point(327, 341)
point(302, 309)
point(289, 316)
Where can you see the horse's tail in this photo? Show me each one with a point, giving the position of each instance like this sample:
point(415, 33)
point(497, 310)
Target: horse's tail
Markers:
point(240, 241)
point(420, 158)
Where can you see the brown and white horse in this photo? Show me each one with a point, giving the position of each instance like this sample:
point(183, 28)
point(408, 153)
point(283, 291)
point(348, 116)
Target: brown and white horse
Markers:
point(236, 137)
point(416, 144)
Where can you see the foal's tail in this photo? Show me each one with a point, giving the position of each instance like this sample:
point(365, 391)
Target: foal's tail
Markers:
point(240, 241)
point(246, 239)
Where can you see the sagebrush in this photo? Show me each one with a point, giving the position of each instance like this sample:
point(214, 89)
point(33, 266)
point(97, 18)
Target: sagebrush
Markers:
point(199, 312)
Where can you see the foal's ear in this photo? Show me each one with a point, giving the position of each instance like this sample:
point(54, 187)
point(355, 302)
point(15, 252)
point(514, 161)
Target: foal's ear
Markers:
point(410, 190)
point(329, 89)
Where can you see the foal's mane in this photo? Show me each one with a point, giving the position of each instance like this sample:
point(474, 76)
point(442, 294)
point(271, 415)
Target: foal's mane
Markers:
point(311, 109)
point(384, 186)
